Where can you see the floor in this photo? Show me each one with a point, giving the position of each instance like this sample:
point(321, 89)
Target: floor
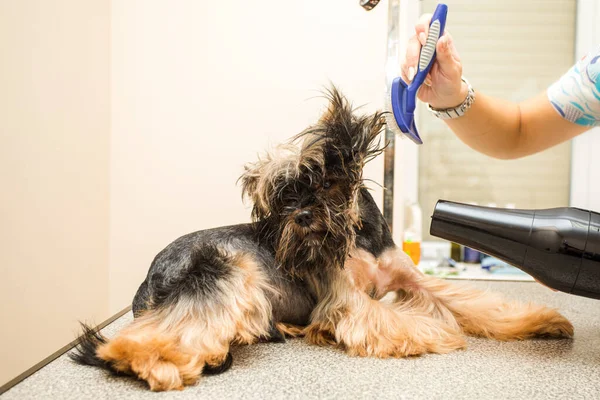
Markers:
point(538, 369)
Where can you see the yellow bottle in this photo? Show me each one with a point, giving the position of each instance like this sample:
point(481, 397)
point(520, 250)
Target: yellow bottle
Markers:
point(411, 243)
point(413, 249)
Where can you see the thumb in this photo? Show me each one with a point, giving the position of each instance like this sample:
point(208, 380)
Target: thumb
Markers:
point(447, 57)
point(444, 53)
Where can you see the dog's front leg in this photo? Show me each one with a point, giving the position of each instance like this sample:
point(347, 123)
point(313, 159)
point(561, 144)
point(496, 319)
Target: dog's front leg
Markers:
point(363, 326)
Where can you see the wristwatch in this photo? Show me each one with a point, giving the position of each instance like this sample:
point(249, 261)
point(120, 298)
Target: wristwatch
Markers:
point(459, 110)
point(368, 4)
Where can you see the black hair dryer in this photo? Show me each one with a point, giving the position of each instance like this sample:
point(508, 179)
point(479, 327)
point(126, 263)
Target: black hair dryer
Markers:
point(560, 247)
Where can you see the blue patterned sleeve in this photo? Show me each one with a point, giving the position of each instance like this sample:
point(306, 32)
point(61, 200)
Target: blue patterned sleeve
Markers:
point(576, 95)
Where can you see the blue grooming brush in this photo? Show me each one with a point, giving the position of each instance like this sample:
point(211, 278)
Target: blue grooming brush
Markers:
point(403, 98)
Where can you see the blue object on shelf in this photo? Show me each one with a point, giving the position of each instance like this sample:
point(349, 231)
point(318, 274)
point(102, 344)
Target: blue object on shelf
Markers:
point(471, 256)
point(496, 266)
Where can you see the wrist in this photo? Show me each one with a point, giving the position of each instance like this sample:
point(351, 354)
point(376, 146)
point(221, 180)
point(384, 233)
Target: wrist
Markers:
point(458, 110)
point(453, 100)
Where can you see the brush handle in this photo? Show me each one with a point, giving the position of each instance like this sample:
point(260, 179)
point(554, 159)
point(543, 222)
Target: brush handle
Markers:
point(427, 56)
point(403, 97)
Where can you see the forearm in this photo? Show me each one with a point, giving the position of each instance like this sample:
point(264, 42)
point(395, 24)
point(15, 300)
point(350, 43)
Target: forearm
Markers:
point(491, 126)
point(495, 127)
point(506, 130)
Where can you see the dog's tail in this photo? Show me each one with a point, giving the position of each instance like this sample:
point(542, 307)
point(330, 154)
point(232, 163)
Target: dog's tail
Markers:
point(85, 352)
point(219, 300)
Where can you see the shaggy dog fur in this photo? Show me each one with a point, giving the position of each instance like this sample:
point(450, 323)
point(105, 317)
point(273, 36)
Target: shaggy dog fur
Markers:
point(315, 262)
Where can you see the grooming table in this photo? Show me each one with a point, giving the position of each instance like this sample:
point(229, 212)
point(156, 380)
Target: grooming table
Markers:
point(538, 369)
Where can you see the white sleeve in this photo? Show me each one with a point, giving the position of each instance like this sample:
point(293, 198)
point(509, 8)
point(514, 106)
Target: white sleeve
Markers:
point(576, 95)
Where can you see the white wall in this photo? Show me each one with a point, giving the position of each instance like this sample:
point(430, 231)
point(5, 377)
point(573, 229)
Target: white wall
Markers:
point(199, 88)
point(54, 171)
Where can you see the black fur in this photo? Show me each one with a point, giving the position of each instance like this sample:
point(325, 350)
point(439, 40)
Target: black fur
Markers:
point(219, 369)
point(374, 233)
point(325, 179)
point(274, 336)
point(207, 265)
point(85, 352)
point(172, 266)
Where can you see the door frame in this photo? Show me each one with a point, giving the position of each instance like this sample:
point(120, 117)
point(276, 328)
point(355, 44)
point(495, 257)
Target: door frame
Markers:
point(585, 164)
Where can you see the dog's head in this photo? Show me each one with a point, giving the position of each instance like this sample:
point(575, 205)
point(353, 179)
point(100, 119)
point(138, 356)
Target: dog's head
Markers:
point(305, 193)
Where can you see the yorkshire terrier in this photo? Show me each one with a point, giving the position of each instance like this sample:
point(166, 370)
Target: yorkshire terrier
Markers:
point(315, 262)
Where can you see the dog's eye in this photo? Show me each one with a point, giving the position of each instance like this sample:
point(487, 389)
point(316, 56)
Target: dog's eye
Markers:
point(326, 184)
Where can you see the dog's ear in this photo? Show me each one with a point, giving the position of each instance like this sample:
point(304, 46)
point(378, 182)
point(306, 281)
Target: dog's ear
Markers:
point(339, 109)
point(253, 188)
point(354, 137)
point(367, 139)
point(263, 180)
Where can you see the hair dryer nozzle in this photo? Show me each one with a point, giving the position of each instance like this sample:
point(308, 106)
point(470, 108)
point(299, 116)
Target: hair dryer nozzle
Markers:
point(501, 233)
point(560, 247)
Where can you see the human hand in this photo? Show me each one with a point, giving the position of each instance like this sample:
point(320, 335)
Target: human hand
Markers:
point(443, 87)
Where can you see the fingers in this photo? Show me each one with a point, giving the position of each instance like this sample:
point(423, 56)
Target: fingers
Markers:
point(427, 80)
point(404, 71)
point(409, 66)
point(412, 57)
point(422, 28)
point(413, 49)
point(443, 86)
point(447, 55)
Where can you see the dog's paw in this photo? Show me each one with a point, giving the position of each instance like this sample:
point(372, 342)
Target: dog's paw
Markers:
point(405, 347)
point(158, 362)
point(433, 336)
point(522, 321)
point(418, 335)
point(555, 325)
point(320, 335)
point(447, 341)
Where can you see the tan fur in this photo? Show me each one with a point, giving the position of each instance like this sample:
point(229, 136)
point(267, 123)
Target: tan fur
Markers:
point(158, 361)
point(169, 347)
point(259, 177)
point(290, 330)
point(321, 333)
point(367, 327)
point(258, 180)
point(429, 316)
point(475, 312)
point(487, 314)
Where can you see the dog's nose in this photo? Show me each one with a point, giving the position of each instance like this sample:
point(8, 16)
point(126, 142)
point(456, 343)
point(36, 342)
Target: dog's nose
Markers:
point(304, 218)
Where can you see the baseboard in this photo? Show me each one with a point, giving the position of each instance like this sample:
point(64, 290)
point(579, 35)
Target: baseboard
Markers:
point(57, 354)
